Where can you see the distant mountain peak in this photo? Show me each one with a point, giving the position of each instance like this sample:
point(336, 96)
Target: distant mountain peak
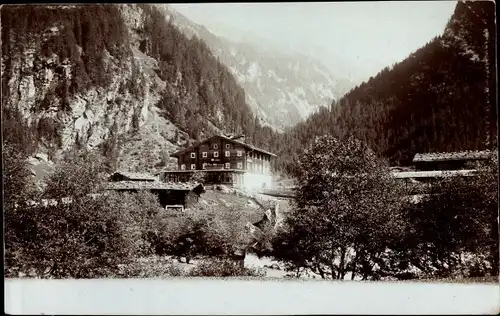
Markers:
point(282, 87)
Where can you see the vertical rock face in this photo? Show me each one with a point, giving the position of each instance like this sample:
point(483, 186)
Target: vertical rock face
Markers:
point(118, 78)
point(36, 83)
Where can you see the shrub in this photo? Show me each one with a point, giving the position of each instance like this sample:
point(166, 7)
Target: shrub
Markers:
point(199, 177)
point(155, 267)
point(83, 239)
point(196, 233)
point(224, 268)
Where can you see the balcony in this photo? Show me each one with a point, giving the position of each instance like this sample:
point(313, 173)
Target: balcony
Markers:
point(215, 166)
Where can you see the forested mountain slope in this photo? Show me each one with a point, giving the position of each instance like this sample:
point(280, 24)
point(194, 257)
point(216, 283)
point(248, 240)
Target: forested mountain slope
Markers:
point(441, 98)
point(120, 78)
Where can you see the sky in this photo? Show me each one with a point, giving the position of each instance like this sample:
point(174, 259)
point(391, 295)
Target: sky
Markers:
point(353, 39)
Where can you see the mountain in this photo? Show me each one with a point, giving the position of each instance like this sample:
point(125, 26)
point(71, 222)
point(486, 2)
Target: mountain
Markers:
point(440, 98)
point(282, 88)
point(117, 78)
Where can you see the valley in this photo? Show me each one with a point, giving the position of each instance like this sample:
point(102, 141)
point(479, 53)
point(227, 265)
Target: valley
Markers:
point(310, 170)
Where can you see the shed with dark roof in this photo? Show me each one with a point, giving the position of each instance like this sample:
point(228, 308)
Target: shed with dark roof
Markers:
point(169, 194)
point(450, 160)
point(131, 176)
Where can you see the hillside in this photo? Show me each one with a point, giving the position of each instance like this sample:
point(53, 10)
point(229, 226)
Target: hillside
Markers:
point(440, 98)
point(282, 87)
point(118, 78)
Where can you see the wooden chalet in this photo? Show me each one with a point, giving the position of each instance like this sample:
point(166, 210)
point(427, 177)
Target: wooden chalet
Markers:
point(223, 160)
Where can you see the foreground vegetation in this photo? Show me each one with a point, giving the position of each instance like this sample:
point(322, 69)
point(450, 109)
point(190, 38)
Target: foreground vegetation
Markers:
point(82, 232)
point(351, 219)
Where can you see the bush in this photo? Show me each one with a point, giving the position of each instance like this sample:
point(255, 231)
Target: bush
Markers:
point(87, 238)
point(155, 267)
point(199, 177)
point(196, 233)
point(224, 268)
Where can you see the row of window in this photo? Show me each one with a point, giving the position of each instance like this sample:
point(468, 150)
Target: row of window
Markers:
point(216, 146)
point(216, 154)
point(227, 166)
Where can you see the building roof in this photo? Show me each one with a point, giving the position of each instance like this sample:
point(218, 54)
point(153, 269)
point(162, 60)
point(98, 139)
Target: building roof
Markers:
point(433, 174)
point(426, 157)
point(155, 185)
point(136, 175)
point(204, 170)
point(248, 146)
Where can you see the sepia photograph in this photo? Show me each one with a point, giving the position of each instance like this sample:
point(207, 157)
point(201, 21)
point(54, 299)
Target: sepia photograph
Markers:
point(250, 158)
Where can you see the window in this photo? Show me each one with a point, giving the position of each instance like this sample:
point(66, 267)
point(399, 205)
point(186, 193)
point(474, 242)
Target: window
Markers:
point(204, 154)
point(227, 146)
point(204, 165)
point(240, 165)
point(193, 166)
point(216, 154)
point(239, 153)
point(193, 155)
point(228, 165)
point(183, 167)
point(216, 146)
point(228, 153)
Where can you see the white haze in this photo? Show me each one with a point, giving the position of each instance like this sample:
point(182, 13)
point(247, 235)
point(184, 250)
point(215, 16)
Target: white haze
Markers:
point(354, 39)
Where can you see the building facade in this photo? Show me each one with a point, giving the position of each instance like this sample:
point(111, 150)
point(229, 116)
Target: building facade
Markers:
point(223, 160)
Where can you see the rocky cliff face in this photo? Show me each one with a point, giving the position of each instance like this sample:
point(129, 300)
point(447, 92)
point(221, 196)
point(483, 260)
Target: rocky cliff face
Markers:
point(32, 82)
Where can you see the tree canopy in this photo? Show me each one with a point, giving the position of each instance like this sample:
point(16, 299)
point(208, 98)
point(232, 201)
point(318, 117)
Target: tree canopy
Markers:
point(348, 209)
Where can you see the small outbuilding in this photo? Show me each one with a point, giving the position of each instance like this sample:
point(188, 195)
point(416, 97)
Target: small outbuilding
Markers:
point(171, 195)
point(131, 176)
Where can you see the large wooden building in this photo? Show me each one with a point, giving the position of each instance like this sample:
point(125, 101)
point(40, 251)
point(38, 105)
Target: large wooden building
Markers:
point(223, 160)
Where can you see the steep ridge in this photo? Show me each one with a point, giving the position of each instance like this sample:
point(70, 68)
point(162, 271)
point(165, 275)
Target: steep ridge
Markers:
point(282, 88)
point(116, 78)
point(441, 98)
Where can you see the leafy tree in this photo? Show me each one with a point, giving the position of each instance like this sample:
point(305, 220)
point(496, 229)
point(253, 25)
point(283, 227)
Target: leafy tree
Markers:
point(348, 209)
point(72, 233)
point(78, 174)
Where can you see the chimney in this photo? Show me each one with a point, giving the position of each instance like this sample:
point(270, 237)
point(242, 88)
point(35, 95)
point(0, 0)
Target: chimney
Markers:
point(240, 138)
